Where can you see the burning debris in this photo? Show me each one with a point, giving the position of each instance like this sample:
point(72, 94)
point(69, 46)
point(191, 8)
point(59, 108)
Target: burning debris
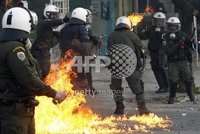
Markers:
point(73, 116)
point(136, 18)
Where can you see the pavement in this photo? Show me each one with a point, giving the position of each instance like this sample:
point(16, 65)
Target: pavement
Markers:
point(184, 115)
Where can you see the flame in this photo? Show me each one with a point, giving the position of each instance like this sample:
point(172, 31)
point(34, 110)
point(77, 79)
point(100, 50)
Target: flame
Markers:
point(149, 9)
point(135, 18)
point(73, 116)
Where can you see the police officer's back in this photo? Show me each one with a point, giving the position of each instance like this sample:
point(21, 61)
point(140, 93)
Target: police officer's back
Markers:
point(123, 35)
point(75, 36)
point(76, 29)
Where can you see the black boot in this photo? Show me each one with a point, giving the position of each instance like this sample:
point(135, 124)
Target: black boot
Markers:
point(193, 99)
point(142, 109)
point(119, 108)
point(172, 93)
point(171, 100)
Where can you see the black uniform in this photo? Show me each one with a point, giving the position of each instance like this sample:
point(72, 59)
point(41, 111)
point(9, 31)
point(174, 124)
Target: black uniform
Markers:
point(43, 43)
point(157, 54)
point(179, 55)
point(75, 36)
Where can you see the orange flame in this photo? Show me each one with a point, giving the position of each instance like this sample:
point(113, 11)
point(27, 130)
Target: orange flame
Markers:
point(135, 18)
point(149, 9)
point(73, 116)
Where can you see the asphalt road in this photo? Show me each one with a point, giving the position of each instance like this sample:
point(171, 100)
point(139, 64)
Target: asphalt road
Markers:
point(184, 115)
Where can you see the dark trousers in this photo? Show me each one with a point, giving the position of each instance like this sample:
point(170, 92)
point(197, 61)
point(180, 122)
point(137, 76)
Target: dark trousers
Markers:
point(176, 70)
point(135, 83)
point(159, 71)
point(89, 77)
point(16, 118)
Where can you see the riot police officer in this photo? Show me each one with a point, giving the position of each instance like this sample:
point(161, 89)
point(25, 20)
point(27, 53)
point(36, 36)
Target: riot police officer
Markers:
point(19, 76)
point(179, 56)
point(44, 37)
point(75, 36)
point(123, 35)
point(158, 57)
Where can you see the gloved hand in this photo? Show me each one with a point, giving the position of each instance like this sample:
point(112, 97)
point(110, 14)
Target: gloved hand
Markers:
point(172, 36)
point(60, 96)
point(181, 45)
point(66, 19)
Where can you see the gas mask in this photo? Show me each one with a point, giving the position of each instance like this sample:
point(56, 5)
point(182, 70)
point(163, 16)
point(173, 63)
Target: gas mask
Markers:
point(172, 36)
point(157, 29)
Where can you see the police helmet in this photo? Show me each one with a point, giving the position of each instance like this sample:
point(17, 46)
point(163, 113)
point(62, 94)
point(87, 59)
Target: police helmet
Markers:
point(14, 27)
point(50, 10)
point(34, 19)
point(173, 24)
point(159, 19)
point(80, 13)
point(89, 17)
point(123, 22)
